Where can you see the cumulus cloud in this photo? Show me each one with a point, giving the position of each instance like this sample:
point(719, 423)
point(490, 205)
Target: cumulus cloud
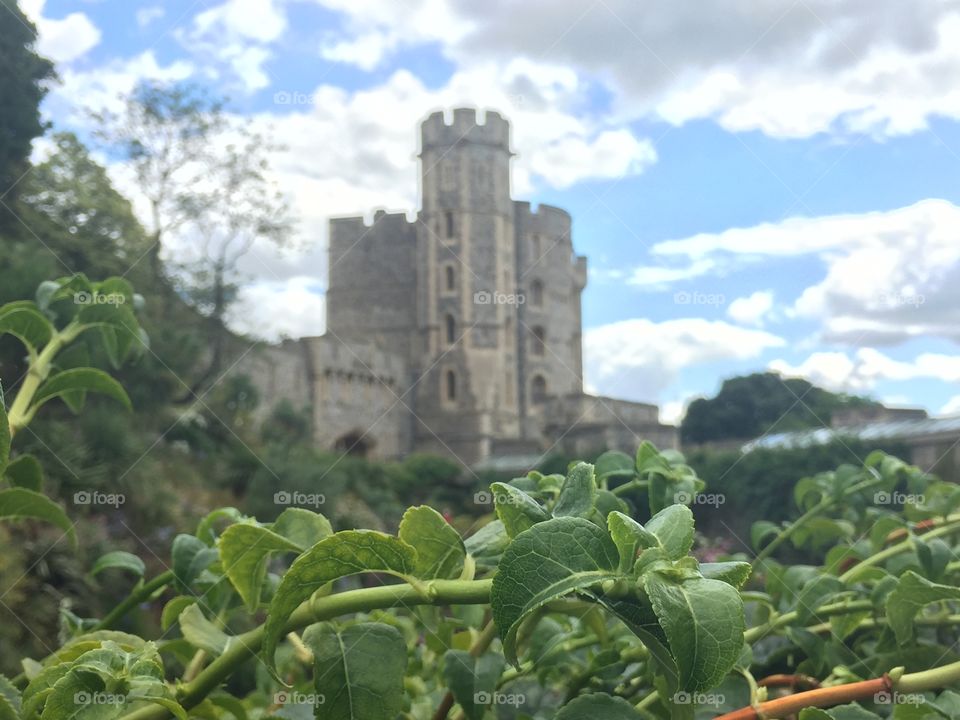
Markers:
point(295, 307)
point(752, 309)
point(864, 369)
point(890, 275)
point(65, 39)
point(639, 358)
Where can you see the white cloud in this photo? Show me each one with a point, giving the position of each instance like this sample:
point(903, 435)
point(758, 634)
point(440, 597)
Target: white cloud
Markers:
point(639, 358)
point(294, 307)
point(65, 39)
point(865, 368)
point(951, 407)
point(753, 309)
point(672, 412)
point(147, 15)
point(890, 275)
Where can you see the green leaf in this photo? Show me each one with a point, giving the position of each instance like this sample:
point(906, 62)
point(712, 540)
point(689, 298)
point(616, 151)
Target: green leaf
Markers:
point(704, 623)
point(440, 550)
point(345, 553)
point(673, 527)
point(733, 573)
point(630, 537)
point(909, 597)
point(516, 509)
point(614, 464)
point(358, 671)
point(119, 559)
point(548, 561)
point(244, 551)
point(10, 701)
point(190, 556)
point(487, 544)
point(303, 527)
point(72, 385)
point(27, 324)
point(472, 680)
point(841, 712)
point(598, 705)
point(216, 521)
point(20, 503)
point(201, 633)
point(760, 531)
point(171, 611)
point(578, 493)
point(24, 471)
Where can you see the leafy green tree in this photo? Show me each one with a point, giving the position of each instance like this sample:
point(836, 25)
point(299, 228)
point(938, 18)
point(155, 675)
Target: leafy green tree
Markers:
point(748, 406)
point(23, 82)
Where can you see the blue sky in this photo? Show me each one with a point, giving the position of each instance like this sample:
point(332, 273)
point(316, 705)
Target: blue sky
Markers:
point(770, 186)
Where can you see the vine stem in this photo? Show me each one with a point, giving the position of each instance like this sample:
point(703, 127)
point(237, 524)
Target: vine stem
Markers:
point(139, 595)
point(825, 504)
point(445, 592)
point(901, 547)
point(827, 697)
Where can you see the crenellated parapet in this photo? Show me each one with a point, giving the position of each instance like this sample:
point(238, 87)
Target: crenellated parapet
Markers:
point(467, 126)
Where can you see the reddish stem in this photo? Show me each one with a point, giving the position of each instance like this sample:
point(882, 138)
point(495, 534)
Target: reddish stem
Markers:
point(821, 697)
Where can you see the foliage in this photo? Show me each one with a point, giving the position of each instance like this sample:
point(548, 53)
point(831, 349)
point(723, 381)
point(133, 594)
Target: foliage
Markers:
point(749, 406)
point(569, 604)
point(22, 87)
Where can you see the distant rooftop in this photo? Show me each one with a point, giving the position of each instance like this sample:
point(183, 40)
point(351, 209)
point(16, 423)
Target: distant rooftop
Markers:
point(887, 430)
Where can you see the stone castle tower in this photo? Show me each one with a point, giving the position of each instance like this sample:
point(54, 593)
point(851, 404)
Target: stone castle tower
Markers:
point(464, 325)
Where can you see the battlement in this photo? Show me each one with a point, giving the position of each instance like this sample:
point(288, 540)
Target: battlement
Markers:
point(468, 126)
point(546, 219)
point(380, 217)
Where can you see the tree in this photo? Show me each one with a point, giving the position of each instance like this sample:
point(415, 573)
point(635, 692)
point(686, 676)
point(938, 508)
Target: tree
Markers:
point(96, 227)
point(749, 406)
point(23, 78)
point(205, 176)
point(165, 132)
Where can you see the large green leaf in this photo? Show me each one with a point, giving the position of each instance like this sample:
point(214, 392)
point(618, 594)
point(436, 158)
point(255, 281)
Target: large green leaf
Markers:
point(244, 551)
point(301, 526)
point(119, 559)
point(72, 385)
point(630, 537)
point(358, 671)
point(909, 597)
point(516, 509)
point(614, 464)
point(440, 550)
point(595, 706)
point(704, 623)
point(472, 680)
point(578, 493)
point(346, 553)
point(27, 324)
point(548, 561)
point(24, 471)
point(20, 503)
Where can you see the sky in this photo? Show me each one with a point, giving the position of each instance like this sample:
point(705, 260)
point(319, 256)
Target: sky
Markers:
point(758, 184)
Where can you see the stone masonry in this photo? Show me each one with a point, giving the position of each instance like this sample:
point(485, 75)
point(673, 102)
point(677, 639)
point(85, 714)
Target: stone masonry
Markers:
point(458, 333)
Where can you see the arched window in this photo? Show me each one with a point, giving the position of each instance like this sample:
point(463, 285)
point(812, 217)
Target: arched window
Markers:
point(451, 382)
point(449, 216)
point(538, 390)
point(536, 293)
point(538, 341)
point(450, 277)
point(451, 330)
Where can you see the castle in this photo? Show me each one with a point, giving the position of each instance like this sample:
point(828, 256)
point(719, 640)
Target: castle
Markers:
point(458, 333)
